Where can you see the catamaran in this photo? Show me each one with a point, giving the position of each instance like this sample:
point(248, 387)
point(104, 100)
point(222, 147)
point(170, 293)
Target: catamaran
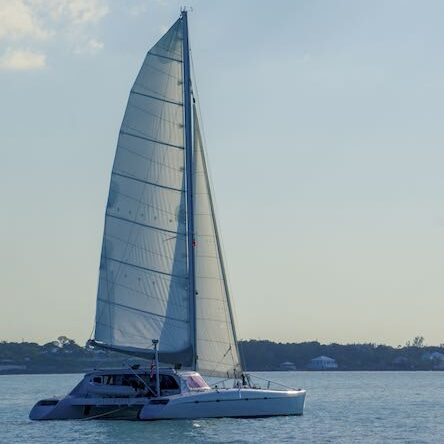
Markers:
point(163, 292)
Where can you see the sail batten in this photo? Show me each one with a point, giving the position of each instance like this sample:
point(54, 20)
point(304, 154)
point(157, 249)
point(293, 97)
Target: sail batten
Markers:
point(138, 179)
point(162, 99)
point(150, 139)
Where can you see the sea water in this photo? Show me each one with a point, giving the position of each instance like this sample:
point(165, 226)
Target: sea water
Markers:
point(341, 407)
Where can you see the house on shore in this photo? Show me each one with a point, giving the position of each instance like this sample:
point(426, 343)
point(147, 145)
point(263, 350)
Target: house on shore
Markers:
point(433, 356)
point(287, 366)
point(322, 363)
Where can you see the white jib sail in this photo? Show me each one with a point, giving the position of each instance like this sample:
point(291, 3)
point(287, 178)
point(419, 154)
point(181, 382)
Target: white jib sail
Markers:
point(143, 283)
point(217, 351)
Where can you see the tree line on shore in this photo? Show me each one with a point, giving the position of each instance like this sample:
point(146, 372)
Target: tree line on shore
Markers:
point(65, 356)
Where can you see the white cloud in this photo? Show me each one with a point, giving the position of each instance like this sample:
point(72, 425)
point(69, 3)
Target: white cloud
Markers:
point(90, 46)
point(34, 22)
point(76, 12)
point(134, 8)
point(22, 60)
point(18, 20)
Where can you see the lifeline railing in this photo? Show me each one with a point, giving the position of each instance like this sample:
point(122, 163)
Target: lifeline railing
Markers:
point(250, 383)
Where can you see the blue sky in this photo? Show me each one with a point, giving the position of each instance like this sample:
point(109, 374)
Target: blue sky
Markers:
point(323, 122)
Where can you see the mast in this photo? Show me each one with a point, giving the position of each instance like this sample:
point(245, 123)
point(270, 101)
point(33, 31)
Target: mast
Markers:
point(189, 183)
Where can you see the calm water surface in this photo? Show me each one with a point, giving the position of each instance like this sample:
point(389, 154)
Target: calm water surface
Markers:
point(341, 407)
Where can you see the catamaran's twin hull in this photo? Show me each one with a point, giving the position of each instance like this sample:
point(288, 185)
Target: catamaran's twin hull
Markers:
point(234, 403)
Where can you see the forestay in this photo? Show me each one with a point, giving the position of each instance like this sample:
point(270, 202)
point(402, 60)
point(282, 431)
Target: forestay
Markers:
point(143, 281)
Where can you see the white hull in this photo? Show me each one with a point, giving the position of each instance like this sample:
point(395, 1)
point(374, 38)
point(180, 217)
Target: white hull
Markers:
point(234, 403)
point(113, 394)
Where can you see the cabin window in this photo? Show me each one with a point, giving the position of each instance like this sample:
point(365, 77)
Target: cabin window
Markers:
point(109, 380)
point(48, 402)
point(97, 379)
point(195, 382)
point(168, 382)
point(134, 381)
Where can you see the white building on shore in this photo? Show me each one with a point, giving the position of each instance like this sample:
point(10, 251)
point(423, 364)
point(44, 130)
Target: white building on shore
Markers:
point(322, 363)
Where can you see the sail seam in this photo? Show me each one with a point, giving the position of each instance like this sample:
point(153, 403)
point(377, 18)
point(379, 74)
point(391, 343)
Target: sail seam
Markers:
point(141, 311)
point(148, 296)
point(166, 187)
point(152, 161)
point(148, 205)
point(145, 250)
point(165, 57)
point(112, 327)
point(144, 225)
point(172, 145)
point(149, 96)
point(145, 269)
point(213, 340)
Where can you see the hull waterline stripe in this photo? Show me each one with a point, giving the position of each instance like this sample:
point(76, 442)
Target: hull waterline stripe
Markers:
point(125, 133)
point(147, 182)
point(149, 96)
point(124, 219)
point(145, 269)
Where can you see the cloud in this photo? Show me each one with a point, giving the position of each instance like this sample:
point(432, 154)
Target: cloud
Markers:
point(90, 46)
point(22, 60)
point(35, 22)
point(18, 20)
point(77, 12)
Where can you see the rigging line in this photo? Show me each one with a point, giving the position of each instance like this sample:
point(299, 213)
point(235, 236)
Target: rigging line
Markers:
point(146, 182)
point(102, 415)
point(149, 96)
point(106, 301)
point(150, 270)
point(144, 225)
point(219, 362)
point(125, 133)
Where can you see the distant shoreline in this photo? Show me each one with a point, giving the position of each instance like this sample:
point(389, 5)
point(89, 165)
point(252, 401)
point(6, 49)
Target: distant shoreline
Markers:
point(64, 356)
point(252, 371)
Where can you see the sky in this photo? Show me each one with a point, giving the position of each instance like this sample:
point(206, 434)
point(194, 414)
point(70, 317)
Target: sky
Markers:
point(324, 130)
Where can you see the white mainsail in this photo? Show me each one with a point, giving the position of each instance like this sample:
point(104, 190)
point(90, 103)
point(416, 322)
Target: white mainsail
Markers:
point(143, 284)
point(148, 268)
